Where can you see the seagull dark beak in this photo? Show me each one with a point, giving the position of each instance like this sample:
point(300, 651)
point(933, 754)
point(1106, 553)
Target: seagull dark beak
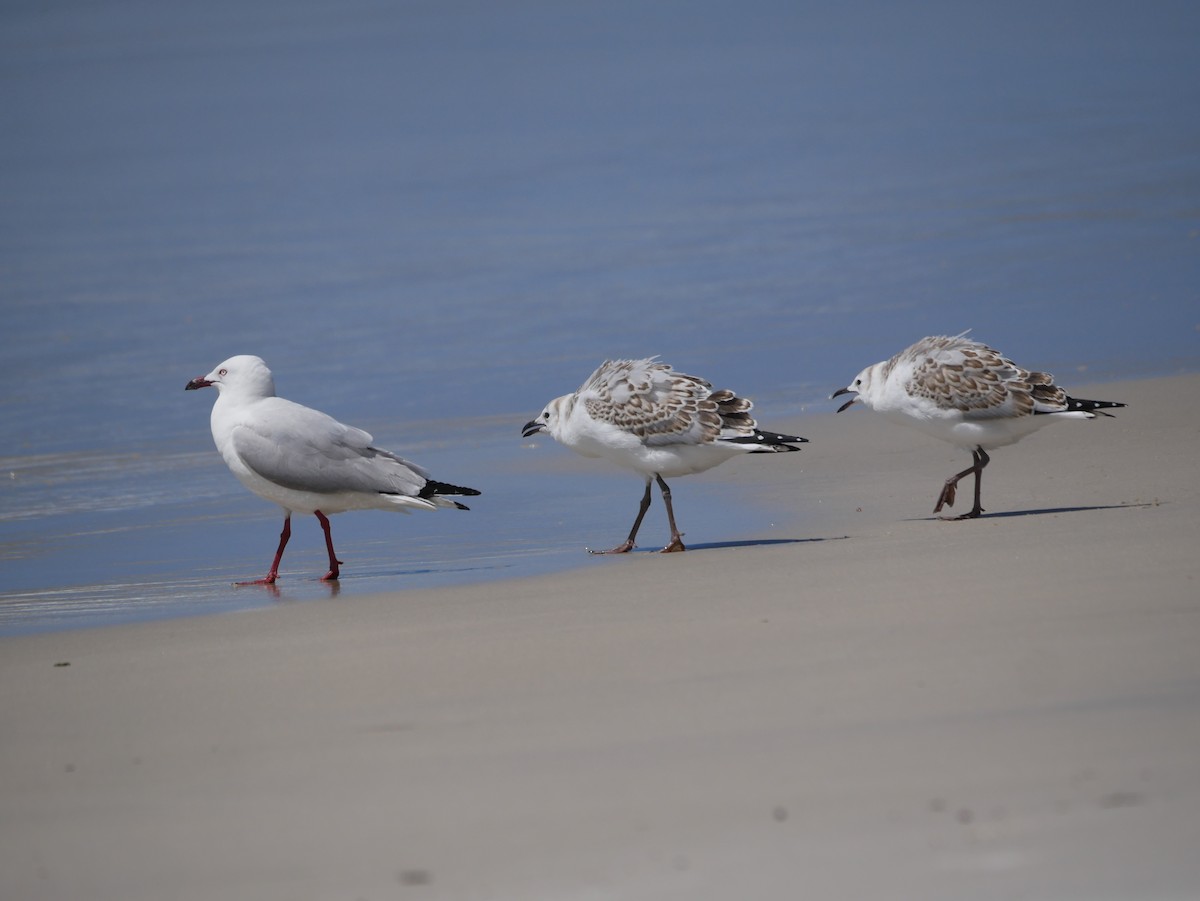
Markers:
point(847, 404)
point(197, 383)
point(531, 428)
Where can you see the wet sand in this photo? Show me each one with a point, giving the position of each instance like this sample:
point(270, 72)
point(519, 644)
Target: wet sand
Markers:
point(888, 706)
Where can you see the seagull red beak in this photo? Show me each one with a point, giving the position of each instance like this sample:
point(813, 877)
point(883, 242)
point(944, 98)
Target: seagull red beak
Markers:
point(195, 383)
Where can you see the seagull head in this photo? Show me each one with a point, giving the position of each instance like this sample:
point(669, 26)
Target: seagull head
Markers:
point(859, 388)
point(243, 374)
point(546, 421)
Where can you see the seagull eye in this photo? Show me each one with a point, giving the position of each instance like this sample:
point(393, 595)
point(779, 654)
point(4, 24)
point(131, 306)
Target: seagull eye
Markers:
point(856, 381)
point(222, 372)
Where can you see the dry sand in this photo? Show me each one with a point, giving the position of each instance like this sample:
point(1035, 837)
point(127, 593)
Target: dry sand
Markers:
point(890, 707)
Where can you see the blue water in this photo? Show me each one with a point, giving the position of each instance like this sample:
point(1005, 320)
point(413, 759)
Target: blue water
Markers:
point(431, 217)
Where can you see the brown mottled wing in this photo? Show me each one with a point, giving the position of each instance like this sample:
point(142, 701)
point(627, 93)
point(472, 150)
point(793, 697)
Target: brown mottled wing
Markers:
point(964, 375)
point(1047, 396)
point(660, 406)
point(734, 411)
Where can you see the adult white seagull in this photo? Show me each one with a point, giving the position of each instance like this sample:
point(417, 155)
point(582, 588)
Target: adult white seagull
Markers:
point(306, 461)
point(645, 416)
point(968, 394)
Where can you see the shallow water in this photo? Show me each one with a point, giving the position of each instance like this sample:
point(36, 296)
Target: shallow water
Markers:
point(431, 219)
point(95, 539)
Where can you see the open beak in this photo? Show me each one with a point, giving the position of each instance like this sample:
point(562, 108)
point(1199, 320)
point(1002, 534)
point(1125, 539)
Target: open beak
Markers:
point(532, 428)
point(848, 404)
point(197, 383)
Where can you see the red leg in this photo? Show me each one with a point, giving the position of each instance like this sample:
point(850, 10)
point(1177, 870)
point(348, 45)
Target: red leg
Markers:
point(333, 560)
point(269, 578)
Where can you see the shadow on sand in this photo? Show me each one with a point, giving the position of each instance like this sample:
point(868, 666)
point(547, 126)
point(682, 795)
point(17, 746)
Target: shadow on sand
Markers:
point(762, 542)
point(1047, 511)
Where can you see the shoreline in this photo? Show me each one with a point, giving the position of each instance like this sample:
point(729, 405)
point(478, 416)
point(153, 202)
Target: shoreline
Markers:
point(878, 705)
point(172, 594)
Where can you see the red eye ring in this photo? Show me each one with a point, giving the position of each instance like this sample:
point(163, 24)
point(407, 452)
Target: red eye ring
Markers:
point(222, 372)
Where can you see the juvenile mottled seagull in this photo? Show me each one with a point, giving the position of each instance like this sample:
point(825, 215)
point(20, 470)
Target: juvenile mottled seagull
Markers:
point(645, 416)
point(966, 393)
point(305, 461)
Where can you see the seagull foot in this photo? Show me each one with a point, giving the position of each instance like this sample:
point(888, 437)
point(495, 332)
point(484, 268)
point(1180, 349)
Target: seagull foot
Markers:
point(265, 580)
point(970, 514)
point(676, 546)
point(946, 498)
point(619, 549)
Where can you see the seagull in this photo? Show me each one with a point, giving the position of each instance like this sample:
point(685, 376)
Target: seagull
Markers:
point(964, 392)
point(645, 416)
point(306, 461)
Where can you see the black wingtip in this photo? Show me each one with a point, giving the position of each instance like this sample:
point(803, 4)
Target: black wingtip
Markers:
point(774, 438)
point(443, 488)
point(769, 442)
point(1078, 404)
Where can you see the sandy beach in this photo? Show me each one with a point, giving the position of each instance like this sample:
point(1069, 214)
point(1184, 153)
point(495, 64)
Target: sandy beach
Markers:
point(886, 707)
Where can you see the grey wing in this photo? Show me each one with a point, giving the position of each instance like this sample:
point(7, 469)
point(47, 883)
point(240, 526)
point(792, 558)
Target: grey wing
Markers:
point(305, 450)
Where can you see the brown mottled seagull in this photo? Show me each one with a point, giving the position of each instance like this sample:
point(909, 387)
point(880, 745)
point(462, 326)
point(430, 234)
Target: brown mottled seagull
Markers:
point(964, 392)
point(645, 416)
